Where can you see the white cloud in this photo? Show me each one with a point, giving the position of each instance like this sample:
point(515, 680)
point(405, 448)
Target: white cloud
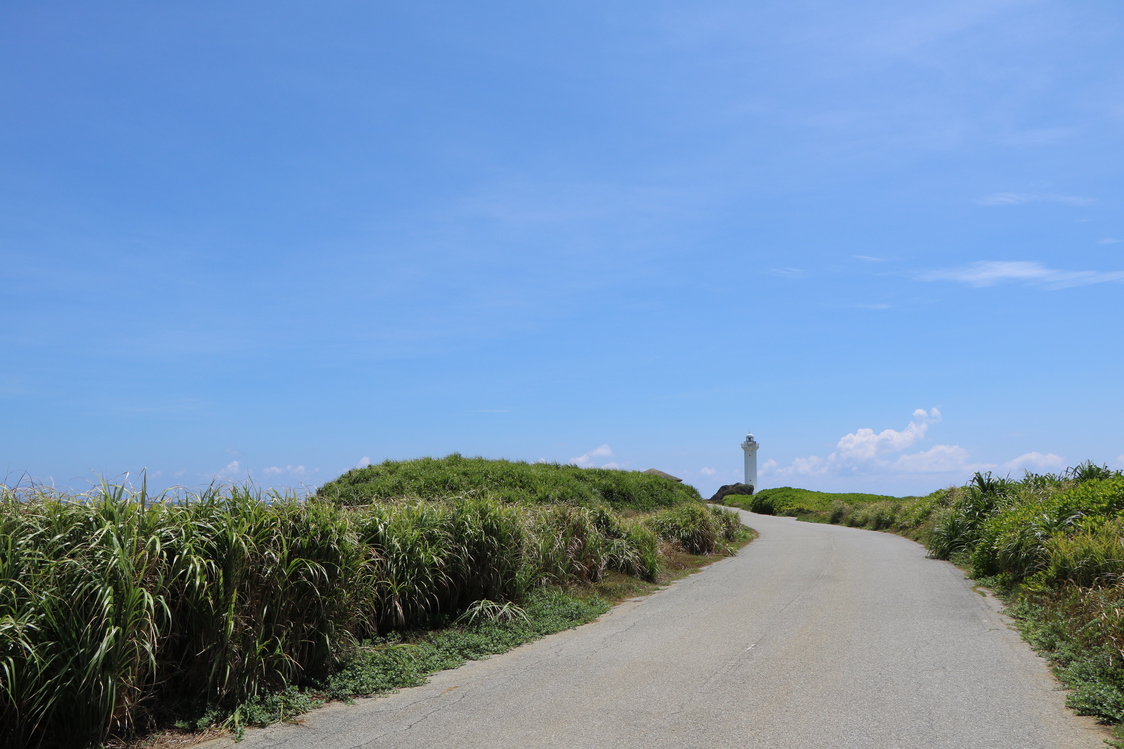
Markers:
point(232, 470)
point(768, 466)
point(864, 444)
point(937, 459)
point(1020, 198)
point(1120, 461)
point(810, 466)
point(867, 451)
point(786, 272)
point(1108, 240)
point(601, 452)
point(869, 259)
point(1035, 462)
point(286, 471)
point(363, 462)
point(612, 464)
point(708, 471)
point(990, 273)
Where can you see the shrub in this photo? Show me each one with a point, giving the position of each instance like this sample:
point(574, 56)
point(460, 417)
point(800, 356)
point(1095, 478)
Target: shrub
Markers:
point(697, 529)
point(1014, 543)
point(1090, 557)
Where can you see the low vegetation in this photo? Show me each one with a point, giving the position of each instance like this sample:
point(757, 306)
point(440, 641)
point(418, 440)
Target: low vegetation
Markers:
point(509, 481)
point(121, 613)
point(819, 506)
point(1051, 544)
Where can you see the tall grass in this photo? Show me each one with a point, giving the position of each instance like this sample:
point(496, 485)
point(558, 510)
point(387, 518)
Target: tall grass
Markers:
point(110, 602)
point(697, 529)
point(118, 609)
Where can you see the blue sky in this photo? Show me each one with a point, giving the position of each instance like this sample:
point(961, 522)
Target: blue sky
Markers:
point(278, 240)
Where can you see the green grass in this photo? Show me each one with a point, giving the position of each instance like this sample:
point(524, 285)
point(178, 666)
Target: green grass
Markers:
point(1069, 626)
point(121, 613)
point(509, 482)
point(407, 658)
point(803, 503)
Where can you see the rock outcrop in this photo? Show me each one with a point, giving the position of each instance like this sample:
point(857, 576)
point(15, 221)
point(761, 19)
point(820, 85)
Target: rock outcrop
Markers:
point(729, 489)
point(656, 472)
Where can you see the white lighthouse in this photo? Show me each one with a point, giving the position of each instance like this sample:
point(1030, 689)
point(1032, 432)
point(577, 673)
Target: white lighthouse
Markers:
point(750, 447)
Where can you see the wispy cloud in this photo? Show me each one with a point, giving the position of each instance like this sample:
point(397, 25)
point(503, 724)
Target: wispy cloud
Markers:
point(363, 462)
point(1022, 198)
point(600, 452)
point(869, 259)
point(937, 459)
point(1035, 462)
point(291, 471)
point(1039, 136)
point(991, 273)
point(786, 272)
point(176, 406)
point(707, 471)
point(1108, 240)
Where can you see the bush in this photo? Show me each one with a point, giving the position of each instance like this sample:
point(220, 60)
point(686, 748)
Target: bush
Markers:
point(697, 529)
point(1013, 542)
point(1090, 557)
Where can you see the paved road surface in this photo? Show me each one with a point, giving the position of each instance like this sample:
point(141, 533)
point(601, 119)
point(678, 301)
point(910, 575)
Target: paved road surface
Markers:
point(813, 637)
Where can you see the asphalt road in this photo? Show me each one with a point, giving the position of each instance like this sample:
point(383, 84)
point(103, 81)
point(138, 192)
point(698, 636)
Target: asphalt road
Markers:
point(814, 636)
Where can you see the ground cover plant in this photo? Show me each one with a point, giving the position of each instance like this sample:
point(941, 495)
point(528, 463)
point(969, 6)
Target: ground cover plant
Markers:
point(1052, 545)
point(120, 612)
point(509, 481)
point(805, 503)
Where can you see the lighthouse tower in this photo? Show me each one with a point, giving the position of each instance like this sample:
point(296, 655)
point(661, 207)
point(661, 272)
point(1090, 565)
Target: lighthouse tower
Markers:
point(750, 447)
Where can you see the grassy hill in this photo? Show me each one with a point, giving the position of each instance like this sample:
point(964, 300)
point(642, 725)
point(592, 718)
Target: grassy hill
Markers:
point(513, 482)
point(805, 503)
